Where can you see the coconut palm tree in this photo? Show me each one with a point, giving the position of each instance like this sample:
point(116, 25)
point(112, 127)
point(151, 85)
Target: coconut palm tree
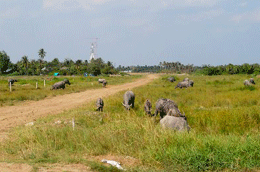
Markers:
point(41, 54)
point(25, 63)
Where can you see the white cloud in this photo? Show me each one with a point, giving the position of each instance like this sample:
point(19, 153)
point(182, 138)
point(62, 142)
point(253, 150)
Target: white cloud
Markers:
point(194, 3)
point(72, 4)
point(133, 13)
point(152, 5)
point(243, 4)
point(10, 13)
point(156, 5)
point(253, 16)
point(205, 15)
point(135, 22)
point(99, 22)
point(177, 3)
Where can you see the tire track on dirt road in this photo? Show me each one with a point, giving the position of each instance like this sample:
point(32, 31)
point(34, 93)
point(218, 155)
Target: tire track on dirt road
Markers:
point(11, 116)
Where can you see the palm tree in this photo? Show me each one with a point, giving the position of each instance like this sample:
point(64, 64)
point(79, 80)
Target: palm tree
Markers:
point(41, 54)
point(33, 66)
point(25, 63)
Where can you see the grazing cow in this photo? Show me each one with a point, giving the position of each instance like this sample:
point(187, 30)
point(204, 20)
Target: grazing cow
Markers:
point(171, 79)
point(100, 104)
point(183, 84)
point(167, 106)
point(148, 107)
point(12, 81)
point(101, 80)
point(251, 80)
point(247, 83)
point(186, 79)
point(191, 82)
point(104, 83)
point(61, 84)
point(129, 100)
point(175, 123)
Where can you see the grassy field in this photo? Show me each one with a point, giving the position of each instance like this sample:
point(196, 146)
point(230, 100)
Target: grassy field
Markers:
point(223, 114)
point(25, 88)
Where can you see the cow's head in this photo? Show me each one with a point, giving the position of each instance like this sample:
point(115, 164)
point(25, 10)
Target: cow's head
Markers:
point(127, 106)
point(67, 81)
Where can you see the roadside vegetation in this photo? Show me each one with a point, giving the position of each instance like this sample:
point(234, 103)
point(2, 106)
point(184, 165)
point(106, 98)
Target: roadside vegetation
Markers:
point(25, 88)
point(223, 114)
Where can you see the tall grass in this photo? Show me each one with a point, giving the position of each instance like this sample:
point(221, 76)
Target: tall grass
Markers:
point(25, 88)
point(224, 134)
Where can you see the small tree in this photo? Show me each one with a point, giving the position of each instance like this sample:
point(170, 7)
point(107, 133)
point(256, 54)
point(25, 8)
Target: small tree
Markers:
point(94, 69)
point(4, 62)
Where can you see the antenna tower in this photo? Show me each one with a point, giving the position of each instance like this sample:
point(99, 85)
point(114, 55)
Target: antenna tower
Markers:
point(93, 49)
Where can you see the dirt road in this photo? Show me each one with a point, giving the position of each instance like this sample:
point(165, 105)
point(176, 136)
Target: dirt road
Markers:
point(23, 113)
point(29, 111)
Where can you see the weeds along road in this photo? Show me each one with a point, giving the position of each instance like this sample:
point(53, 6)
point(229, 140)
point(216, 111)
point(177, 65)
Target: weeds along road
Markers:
point(11, 116)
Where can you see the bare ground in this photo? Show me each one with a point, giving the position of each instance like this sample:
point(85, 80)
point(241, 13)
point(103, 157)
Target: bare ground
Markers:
point(29, 111)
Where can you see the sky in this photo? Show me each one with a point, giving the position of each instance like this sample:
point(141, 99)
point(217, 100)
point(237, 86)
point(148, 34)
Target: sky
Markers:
point(132, 32)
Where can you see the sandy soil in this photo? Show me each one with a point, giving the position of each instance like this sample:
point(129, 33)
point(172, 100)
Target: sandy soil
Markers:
point(29, 111)
point(125, 161)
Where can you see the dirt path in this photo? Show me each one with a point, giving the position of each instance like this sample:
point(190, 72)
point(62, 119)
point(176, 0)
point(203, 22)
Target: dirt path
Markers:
point(29, 111)
point(23, 113)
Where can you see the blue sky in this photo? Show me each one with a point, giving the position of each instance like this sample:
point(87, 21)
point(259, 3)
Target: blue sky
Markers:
point(132, 32)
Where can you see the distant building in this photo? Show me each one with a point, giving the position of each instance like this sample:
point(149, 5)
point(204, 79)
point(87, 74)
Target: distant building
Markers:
point(64, 68)
point(127, 71)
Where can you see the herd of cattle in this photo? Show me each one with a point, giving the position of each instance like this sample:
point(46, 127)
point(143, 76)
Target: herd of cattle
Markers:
point(60, 84)
point(170, 115)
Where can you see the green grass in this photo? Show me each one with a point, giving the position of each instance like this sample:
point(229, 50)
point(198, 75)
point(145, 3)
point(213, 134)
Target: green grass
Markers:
point(25, 88)
point(224, 132)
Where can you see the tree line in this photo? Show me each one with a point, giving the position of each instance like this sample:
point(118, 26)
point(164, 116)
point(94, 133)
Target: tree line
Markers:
point(177, 67)
point(98, 66)
point(163, 67)
point(230, 69)
point(67, 67)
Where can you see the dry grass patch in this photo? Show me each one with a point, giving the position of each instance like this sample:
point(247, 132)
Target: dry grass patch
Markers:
point(13, 167)
point(64, 167)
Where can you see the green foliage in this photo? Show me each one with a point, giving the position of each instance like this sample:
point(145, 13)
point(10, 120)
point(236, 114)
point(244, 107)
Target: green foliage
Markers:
point(42, 53)
point(164, 67)
point(230, 69)
point(94, 69)
point(68, 67)
point(5, 62)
